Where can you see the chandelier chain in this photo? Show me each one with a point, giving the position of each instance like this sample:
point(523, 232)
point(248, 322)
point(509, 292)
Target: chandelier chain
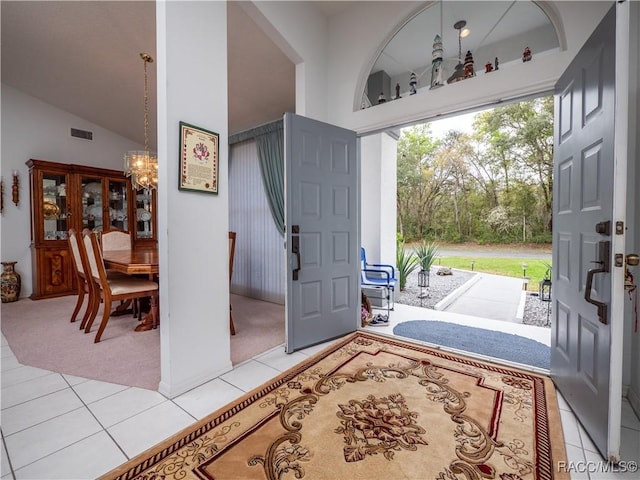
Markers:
point(146, 106)
point(142, 166)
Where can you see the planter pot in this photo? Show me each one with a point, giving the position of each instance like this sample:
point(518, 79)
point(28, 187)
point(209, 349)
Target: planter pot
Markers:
point(10, 283)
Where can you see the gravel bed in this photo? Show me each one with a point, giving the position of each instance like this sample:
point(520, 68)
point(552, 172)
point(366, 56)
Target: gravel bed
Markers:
point(439, 287)
point(536, 312)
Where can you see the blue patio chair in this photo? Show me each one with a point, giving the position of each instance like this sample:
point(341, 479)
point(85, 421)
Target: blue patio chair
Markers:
point(378, 275)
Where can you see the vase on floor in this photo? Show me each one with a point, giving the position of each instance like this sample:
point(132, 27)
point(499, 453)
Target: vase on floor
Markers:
point(10, 283)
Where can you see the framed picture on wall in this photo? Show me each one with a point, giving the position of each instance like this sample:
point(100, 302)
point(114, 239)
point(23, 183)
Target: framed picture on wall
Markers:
point(199, 150)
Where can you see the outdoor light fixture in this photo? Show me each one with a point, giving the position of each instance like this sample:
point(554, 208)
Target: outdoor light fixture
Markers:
point(525, 279)
point(15, 188)
point(544, 291)
point(458, 74)
point(142, 165)
point(423, 282)
point(423, 278)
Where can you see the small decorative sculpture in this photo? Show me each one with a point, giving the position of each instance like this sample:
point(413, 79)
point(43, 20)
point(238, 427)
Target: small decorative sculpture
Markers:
point(488, 67)
point(397, 92)
point(381, 98)
point(436, 63)
point(496, 64)
point(413, 81)
point(526, 55)
point(468, 65)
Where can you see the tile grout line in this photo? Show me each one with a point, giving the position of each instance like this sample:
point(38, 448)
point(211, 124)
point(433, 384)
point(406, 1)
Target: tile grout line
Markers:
point(4, 445)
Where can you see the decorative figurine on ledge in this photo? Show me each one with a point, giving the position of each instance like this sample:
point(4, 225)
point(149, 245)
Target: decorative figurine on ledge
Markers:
point(496, 64)
point(381, 98)
point(468, 65)
point(488, 68)
point(413, 81)
point(397, 92)
point(526, 55)
point(436, 63)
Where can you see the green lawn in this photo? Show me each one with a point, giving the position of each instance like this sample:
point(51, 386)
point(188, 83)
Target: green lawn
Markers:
point(511, 267)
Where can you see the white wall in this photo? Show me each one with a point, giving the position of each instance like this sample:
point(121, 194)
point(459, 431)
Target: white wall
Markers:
point(192, 227)
point(300, 30)
point(34, 129)
point(378, 198)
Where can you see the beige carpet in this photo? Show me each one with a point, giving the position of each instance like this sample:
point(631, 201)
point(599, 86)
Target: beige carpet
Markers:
point(40, 335)
point(371, 407)
point(259, 327)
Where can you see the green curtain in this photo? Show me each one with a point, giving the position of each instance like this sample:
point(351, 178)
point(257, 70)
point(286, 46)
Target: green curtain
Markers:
point(270, 143)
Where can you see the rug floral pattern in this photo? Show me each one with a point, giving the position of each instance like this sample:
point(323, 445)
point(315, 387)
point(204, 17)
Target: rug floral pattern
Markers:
point(371, 407)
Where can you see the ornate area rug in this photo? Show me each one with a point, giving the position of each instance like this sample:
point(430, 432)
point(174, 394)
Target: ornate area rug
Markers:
point(372, 407)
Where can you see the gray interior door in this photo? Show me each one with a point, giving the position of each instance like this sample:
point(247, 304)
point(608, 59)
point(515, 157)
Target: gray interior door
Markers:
point(322, 231)
point(583, 229)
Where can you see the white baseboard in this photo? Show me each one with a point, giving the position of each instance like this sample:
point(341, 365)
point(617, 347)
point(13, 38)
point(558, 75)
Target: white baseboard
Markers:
point(173, 390)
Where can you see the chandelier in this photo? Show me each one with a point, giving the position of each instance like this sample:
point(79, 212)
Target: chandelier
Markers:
point(142, 165)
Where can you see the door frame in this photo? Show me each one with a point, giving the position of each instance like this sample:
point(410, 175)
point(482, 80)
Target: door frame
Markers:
point(621, 143)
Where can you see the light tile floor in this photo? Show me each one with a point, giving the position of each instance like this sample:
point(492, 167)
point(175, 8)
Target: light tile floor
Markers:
point(57, 426)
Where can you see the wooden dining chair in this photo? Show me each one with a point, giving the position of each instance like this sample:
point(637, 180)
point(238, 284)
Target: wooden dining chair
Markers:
point(118, 240)
point(124, 288)
point(84, 287)
point(115, 240)
point(232, 251)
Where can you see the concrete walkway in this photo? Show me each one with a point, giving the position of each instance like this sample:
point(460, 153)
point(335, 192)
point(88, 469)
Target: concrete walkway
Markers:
point(491, 296)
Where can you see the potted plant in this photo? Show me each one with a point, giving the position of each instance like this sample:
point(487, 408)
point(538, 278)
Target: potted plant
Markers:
point(426, 254)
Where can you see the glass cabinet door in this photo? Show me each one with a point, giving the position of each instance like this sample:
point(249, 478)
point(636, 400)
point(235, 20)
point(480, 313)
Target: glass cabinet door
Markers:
point(54, 208)
point(118, 213)
point(144, 214)
point(92, 205)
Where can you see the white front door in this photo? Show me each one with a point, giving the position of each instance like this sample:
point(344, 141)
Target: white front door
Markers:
point(586, 354)
point(322, 231)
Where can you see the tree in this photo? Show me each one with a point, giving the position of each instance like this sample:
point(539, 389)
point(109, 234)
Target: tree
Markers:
point(494, 184)
point(419, 181)
point(522, 134)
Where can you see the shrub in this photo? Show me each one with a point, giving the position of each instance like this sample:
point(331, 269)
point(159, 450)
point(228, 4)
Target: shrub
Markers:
point(426, 253)
point(406, 263)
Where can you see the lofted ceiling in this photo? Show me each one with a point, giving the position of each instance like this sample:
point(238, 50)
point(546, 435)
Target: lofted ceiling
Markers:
point(83, 56)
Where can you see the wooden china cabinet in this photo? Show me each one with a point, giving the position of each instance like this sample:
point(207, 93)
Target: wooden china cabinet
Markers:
point(65, 196)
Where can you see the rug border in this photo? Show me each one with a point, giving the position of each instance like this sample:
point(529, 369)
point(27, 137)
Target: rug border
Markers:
point(136, 465)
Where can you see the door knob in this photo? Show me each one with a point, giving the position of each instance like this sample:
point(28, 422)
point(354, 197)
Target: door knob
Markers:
point(633, 259)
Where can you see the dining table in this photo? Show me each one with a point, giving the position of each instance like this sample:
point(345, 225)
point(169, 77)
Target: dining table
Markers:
point(136, 261)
